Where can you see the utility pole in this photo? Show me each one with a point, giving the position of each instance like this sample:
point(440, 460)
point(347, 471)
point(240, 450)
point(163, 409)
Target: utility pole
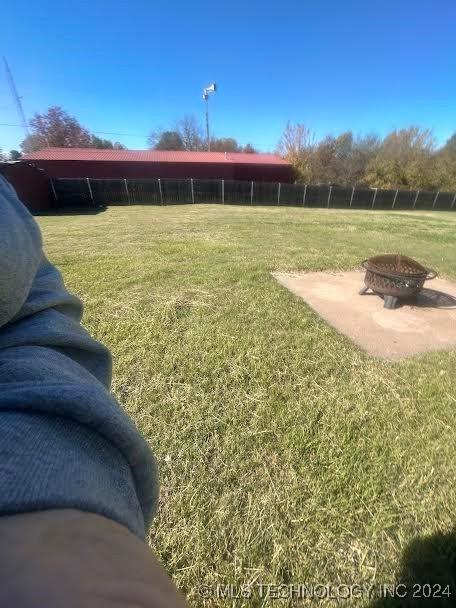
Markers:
point(16, 98)
point(206, 91)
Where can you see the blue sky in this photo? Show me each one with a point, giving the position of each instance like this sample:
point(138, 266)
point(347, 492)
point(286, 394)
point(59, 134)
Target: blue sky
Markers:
point(131, 66)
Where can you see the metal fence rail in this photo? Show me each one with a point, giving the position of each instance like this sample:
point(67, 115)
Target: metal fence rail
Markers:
point(89, 192)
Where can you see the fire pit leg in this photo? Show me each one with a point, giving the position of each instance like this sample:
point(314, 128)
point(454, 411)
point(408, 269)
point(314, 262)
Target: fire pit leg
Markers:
point(363, 290)
point(390, 302)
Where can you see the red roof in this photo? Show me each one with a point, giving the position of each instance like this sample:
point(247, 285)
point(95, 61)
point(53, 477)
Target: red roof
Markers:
point(154, 156)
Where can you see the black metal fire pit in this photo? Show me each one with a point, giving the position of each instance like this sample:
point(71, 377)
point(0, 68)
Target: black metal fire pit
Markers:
point(394, 276)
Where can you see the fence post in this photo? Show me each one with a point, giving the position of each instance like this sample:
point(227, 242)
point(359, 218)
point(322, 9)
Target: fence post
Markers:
point(278, 194)
point(304, 195)
point(251, 193)
point(454, 201)
point(126, 190)
point(223, 191)
point(416, 198)
point(435, 200)
point(351, 197)
point(191, 186)
point(375, 196)
point(90, 191)
point(395, 197)
point(53, 189)
point(161, 193)
point(329, 195)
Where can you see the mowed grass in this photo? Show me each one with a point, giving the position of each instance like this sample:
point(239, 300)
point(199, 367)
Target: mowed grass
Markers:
point(286, 454)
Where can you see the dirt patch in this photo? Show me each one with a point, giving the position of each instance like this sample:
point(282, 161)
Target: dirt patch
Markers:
point(424, 324)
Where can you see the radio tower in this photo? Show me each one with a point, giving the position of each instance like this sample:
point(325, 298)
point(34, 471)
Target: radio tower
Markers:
point(17, 99)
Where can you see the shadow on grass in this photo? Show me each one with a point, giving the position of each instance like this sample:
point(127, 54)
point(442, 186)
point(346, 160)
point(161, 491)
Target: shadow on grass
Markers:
point(427, 574)
point(71, 211)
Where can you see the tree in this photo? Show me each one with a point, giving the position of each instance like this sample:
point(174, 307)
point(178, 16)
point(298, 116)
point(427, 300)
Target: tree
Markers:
point(249, 149)
point(55, 128)
point(33, 142)
point(295, 141)
point(323, 162)
point(365, 148)
point(105, 144)
point(224, 144)
point(405, 159)
point(14, 155)
point(187, 134)
point(166, 140)
point(191, 133)
point(297, 146)
point(445, 165)
point(343, 159)
point(450, 146)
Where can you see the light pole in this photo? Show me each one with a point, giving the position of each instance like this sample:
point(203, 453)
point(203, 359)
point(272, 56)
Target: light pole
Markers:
point(206, 92)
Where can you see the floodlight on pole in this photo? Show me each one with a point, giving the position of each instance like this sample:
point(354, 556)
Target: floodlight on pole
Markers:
point(211, 88)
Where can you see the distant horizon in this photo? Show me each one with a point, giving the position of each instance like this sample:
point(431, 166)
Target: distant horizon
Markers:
point(335, 68)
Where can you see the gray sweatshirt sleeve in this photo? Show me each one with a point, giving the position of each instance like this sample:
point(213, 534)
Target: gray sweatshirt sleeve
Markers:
point(64, 440)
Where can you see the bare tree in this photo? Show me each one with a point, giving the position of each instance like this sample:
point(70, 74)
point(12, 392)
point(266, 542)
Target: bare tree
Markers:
point(297, 144)
point(409, 143)
point(296, 140)
point(191, 133)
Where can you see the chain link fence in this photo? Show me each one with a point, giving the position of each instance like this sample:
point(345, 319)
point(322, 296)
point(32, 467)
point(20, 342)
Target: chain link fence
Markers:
point(88, 192)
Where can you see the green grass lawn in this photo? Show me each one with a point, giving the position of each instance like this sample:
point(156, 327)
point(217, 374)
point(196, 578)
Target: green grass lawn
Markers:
point(286, 454)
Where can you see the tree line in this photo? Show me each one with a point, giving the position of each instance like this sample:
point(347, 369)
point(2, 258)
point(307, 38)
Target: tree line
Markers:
point(406, 159)
point(187, 134)
point(58, 129)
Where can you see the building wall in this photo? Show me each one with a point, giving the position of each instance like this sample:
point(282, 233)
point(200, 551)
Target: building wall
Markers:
point(143, 170)
point(264, 173)
point(31, 184)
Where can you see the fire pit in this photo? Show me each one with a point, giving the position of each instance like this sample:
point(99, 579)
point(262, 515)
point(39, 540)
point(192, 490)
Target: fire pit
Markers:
point(394, 276)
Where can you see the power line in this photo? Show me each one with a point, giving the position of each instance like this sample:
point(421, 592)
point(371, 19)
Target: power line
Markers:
point(119, 134)
point(7, 124)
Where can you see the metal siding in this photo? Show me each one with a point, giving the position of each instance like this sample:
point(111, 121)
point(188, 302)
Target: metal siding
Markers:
point(135, 170)
point(32, 186)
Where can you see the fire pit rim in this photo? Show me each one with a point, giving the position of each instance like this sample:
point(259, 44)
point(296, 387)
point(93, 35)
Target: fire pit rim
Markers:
point(426, 274)
point(393, 284)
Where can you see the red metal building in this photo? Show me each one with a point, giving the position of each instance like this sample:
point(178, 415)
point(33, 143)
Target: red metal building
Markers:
point(142, 164)
point(31, 184)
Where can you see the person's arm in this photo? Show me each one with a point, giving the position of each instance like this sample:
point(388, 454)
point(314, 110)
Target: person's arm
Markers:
point(68, 558)
point(65, 443)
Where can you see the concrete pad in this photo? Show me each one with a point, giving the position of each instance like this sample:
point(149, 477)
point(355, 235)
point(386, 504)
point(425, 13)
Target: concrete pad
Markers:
point(425, 324)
